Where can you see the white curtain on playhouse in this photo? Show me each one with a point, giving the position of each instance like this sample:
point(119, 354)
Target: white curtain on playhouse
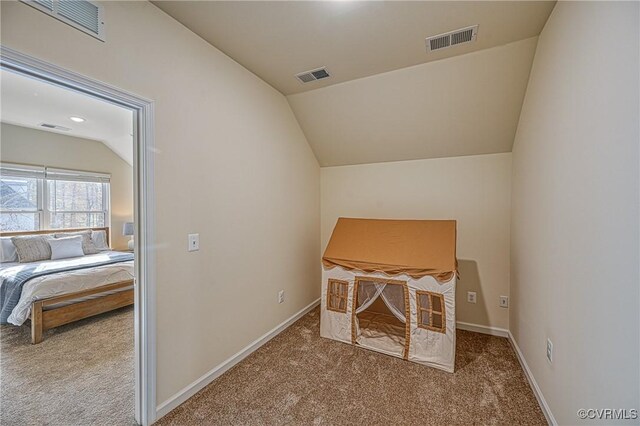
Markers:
point(392, 295)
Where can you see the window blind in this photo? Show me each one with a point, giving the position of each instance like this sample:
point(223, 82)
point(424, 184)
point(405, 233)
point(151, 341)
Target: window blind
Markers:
point(21, 171)
point(75, 175)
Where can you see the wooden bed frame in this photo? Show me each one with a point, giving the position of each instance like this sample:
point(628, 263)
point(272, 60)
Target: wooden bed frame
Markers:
point(43, 319)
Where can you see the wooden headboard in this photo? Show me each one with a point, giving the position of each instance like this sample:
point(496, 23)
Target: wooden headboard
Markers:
point(55, 231)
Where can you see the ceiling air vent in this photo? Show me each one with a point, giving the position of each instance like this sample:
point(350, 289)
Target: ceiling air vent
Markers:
point(81, 14)
point(54, 127)
point(313, 75)
point(452, 38)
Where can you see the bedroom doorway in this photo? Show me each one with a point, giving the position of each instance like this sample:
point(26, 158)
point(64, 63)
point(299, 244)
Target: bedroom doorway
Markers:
point(83, 205)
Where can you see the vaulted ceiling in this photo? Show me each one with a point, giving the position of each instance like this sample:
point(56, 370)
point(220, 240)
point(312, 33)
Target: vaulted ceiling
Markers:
point(465, 105)
point(353, 39)
point(387, 99)
point(29, 103)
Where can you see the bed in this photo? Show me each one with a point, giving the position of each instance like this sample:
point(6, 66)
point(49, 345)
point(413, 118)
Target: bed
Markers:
point(52, 293)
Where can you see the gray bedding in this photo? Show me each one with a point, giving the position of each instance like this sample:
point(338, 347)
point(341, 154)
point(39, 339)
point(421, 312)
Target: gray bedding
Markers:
point(11, 286)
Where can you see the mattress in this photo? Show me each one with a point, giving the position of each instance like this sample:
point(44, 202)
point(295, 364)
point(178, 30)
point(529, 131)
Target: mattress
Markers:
point(61, 283)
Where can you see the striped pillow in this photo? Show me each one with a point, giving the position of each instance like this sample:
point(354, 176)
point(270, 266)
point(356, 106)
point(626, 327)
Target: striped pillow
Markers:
point(32, 248)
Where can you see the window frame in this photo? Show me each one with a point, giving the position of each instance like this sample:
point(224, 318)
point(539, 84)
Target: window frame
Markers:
point(430, 311)
point(40, 174)
point(39, 203)
point(48, 213)
point(340, 295)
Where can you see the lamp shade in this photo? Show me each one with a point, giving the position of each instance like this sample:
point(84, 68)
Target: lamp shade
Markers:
point(127, 228)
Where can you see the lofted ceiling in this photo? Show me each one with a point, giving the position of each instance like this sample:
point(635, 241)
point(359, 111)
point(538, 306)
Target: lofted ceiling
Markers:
point(387, 99)
point(278, 39)
point(28, 102)
point(465, 105)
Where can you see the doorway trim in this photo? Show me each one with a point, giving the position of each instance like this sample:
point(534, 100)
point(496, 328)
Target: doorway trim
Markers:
point(144, 210)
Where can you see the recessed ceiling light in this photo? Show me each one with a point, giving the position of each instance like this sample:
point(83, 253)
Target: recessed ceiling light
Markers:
point(77, 119)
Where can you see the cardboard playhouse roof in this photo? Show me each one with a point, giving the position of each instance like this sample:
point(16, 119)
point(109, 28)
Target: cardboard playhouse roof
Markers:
point(413, 247)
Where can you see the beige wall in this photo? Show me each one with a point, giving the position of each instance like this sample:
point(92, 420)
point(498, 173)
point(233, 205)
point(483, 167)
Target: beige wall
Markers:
point(30, 146)
point(473, 190)
point(575, 211)
point(465, 105)
point(231, 164)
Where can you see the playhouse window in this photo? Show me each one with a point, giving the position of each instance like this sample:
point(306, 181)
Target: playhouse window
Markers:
point(337, 295)
point(431, 313)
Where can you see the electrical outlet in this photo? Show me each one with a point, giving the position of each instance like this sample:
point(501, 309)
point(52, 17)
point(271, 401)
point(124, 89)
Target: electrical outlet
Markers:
point(471, 296)
point(194, 242)
point(549, 350)
point(504, 301)
point(281, 296)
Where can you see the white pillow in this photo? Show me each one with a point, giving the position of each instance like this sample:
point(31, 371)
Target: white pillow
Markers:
point(63, 248)
point(7, 250)
point(87, 243)
point(100, 240)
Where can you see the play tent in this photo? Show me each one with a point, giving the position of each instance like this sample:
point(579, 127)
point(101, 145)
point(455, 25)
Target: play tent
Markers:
point(389, 286)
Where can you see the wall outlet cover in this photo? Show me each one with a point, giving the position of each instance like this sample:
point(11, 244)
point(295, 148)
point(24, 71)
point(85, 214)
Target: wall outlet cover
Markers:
point(471, 296)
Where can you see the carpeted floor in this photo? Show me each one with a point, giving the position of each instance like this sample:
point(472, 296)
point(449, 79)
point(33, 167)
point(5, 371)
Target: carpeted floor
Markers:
point(299, 378)
point(82, 374)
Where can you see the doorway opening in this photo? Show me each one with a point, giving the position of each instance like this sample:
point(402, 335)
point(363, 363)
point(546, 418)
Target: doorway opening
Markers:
point(82, 206)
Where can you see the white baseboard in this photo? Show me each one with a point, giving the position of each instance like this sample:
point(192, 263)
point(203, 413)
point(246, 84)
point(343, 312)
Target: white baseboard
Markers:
point(190, 390)
point(532, 382)
point(494, 331)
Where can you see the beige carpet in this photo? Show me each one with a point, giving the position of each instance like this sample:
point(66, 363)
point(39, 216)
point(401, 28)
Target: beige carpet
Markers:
point(82, 374)
point(299, 378)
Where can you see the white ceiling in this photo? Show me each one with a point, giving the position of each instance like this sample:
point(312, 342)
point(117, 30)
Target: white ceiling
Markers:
point(465, 105)
point(353, 39)
point(28, 102)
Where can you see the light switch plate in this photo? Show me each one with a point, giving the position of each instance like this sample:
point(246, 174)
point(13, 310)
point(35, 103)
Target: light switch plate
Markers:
point(504, 301)
point(194, 242)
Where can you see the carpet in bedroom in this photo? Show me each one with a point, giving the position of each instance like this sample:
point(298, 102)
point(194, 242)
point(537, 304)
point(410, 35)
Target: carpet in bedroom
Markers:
point(81, 374)
point(299, 378)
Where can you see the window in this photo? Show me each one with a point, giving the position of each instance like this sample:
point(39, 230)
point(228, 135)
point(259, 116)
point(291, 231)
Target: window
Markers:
point(21, 197)
point(34, 198)
point(19, 209)
point(337, 295)
point(76, 204)
point(431, 311)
